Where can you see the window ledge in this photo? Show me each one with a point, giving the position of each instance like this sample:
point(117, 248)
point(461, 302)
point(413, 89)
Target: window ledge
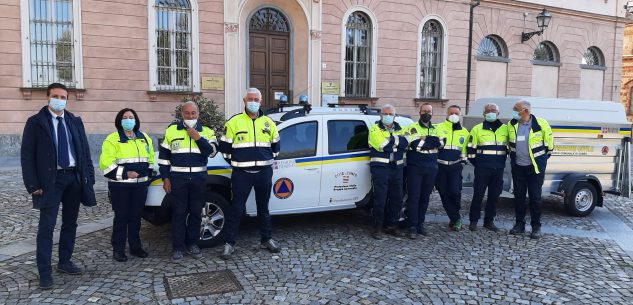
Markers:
point(27, 92)
point(419, 101)
point(357, 98)
point(493, 58)
point(589, 67)
point(546, 63)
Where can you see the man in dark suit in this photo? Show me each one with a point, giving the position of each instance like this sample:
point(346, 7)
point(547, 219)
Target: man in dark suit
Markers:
point(56, 167)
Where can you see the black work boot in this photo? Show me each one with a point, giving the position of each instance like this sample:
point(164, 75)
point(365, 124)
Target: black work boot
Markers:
point(490, 225)
point(393, 230)
point(536, 232)
point(519, 228)
point(376, 232)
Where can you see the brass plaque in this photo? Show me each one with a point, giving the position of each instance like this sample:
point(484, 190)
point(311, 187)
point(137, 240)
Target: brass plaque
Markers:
point(213, 83)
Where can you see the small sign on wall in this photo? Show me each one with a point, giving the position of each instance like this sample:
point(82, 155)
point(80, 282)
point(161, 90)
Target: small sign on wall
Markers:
point(331, 88)
point(329, 99)
point(213, 83)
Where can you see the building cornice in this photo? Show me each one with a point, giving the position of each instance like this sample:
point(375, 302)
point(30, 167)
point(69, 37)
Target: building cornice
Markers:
point(554, 10)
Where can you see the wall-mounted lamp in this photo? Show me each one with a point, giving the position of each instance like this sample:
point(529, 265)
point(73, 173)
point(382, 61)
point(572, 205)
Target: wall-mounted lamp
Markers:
point(542, 20)
point(628, 8)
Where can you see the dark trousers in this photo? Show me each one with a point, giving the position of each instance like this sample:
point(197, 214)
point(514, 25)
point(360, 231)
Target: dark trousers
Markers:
point(127, 203)
point(242, 183)
point(387, 183)
point(68, 192)
point(420, 182)
point(186, 210)
point(527, 181)
point(491, 179)
point(449, 184)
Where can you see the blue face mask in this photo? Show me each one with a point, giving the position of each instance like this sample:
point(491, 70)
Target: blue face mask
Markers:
point(387, 119)
point(515, 115)
point(252, 107)
point(491, 116)
point(57, 104)
point(128, 124)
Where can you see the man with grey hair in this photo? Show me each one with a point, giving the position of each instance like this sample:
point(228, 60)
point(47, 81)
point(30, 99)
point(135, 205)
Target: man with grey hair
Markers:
point(182, 161)
point(249, 144)
point(487, 150)
point(387, 144)
point(531, 143)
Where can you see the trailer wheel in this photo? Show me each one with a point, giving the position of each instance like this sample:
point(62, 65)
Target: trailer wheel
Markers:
point(582, 200)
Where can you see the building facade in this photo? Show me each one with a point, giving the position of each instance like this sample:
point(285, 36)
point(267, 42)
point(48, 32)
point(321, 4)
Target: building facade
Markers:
point(148, 55)
point(626, 95)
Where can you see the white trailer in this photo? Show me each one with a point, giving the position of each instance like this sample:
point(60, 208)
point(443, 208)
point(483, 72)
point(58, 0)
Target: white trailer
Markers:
point(591, 148)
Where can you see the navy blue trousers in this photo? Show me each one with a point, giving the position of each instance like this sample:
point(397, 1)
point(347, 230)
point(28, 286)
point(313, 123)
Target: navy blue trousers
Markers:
point(186, 210)
point(67, 191)
point(420, 182)
point(127, 203)
point(527, 181)
point(449, 184)
point(242, 183)
point(491, 179)
point(388, 183)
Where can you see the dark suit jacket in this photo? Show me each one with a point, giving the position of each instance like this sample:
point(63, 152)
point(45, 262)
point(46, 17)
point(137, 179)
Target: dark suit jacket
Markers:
point(39, 157)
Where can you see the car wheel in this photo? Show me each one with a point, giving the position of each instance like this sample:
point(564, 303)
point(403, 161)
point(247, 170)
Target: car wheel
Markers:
point(212, 228)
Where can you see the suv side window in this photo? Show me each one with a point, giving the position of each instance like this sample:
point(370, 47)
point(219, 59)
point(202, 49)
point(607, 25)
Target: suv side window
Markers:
point(298, 141)
point(347, 136)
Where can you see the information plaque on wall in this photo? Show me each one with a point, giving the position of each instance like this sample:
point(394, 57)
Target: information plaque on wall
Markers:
point(213, 83)
point(330, 88)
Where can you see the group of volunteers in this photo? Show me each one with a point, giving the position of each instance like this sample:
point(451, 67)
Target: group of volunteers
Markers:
point(435, 155)
point(57, 170)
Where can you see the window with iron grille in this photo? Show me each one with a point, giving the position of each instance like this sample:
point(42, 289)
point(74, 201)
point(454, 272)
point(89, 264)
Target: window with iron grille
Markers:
point(546, 52)
point(593, 57)
point(173, 45)
point(431, 60)
point(51, 43)
point(358, 55)
point(492, 46)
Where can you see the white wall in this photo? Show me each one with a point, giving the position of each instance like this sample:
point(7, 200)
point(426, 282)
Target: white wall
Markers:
point(544, 81)
point(591, 84)
point(491, 78)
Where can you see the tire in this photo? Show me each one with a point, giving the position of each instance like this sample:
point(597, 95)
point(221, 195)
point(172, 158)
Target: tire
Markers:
point(212, 229)
point(582, 199)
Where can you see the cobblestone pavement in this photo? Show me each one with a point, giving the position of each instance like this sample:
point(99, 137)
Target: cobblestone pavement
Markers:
point(329, 258)
point(621, 207)
point(18, 221)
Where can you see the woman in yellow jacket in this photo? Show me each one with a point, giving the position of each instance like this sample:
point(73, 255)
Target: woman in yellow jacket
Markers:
point(126, 159)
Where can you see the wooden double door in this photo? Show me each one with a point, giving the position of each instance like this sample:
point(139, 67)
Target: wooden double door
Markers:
point(269, 62)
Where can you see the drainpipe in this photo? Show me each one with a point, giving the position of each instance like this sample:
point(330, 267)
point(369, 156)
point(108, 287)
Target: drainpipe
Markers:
point(473, 4)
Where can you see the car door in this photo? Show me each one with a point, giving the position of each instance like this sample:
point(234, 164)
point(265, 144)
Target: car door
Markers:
point(297, 168)
point(346, 178)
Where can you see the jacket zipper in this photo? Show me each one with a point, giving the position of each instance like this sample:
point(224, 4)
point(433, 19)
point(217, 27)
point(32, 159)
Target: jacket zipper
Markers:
point(138, 154)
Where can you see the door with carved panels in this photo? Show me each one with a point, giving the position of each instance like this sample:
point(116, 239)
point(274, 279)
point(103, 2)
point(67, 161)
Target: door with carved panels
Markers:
point(269, 54)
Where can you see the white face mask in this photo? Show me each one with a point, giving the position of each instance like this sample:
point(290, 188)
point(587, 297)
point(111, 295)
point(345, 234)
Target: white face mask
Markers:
point(191, 123)
point(453, 118)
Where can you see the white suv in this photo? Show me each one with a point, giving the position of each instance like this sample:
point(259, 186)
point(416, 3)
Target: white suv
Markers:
point(323, 165)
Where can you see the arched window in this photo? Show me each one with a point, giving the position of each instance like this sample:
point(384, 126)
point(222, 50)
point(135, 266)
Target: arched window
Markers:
point(546, 52)
point(269, 20)
point(51, 43)
point(492, 46)
point(431, 60)
point(593, 57)
point(358, 55)
point(174, 45)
